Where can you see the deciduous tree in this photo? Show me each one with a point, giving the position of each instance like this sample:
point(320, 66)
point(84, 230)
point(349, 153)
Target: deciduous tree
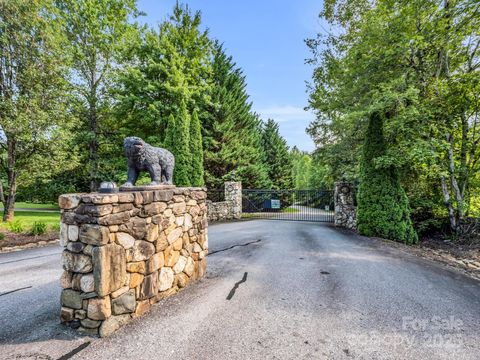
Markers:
point(96, 31)
point(33, 122)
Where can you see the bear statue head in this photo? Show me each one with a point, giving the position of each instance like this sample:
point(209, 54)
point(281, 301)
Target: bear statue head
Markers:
point(134, 146)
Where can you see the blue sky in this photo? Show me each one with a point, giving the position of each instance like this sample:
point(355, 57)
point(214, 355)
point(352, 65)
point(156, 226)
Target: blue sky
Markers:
point(266, 39)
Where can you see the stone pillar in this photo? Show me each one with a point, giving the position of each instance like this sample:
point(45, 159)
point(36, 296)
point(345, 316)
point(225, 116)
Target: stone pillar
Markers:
point(233, 194)
point(124, 252)
point(345, 210)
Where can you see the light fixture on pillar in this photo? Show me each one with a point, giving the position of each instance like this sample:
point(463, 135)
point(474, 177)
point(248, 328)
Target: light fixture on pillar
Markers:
point(108, 187)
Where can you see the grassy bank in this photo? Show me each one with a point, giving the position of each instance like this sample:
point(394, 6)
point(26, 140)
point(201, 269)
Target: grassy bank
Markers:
point(28, 218)
point(27, 205)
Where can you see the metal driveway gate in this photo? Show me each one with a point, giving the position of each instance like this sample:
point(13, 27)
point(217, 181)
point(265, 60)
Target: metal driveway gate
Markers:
point(299, 205)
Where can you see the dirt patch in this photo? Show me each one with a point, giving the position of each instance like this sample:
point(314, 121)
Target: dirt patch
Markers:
point(16, 240)
point(463, 256)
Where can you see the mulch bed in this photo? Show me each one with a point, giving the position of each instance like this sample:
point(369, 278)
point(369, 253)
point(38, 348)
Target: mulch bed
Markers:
point(461, 255)
point(14, 240)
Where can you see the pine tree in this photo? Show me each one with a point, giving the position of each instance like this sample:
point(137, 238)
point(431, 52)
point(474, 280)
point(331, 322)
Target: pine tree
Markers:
point(196, 149)
point(383, 208)
point(181, 148)
point(277, 156)
point(231, 132)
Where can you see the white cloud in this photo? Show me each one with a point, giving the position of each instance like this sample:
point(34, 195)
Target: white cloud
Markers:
point(286, 113)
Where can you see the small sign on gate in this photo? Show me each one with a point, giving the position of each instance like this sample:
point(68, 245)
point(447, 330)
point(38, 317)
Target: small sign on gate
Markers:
point(275, 204)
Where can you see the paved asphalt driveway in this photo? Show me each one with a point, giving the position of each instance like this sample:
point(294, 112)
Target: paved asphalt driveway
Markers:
point(297, 291)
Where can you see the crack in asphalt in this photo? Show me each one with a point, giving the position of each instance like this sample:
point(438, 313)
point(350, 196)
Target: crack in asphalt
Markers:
point(234, 246)
point(74, 351)
point(237, 284)
point(12, 291)
point(30, 258)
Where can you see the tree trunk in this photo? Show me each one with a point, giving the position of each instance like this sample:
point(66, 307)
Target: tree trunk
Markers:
point(453, 179)
point(8, 211)
point(9, 208)
point(2, 195)
point(448, 204)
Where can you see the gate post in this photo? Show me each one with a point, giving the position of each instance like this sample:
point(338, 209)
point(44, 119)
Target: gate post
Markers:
point(345, 210)
point(233, 194)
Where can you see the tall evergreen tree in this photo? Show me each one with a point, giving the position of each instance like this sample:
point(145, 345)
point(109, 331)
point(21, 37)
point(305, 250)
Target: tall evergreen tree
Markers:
point(168, 141)
point(231, 132)
point(196, 149)
point(181, 147)
point(383, 208)
point(277, 156)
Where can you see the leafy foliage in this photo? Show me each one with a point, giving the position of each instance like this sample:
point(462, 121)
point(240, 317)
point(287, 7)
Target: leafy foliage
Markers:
point(416, 62)
point(165, 67)
point(96, 31)
point(16, 226)
point(309, 172)
point(85, 75)
point(34, 125)
point(38, 228)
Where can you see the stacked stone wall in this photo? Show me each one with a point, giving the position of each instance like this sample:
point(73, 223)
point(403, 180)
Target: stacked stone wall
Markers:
point(124, 252)
point(229, 209)
point(345, 209)
point(219, 211)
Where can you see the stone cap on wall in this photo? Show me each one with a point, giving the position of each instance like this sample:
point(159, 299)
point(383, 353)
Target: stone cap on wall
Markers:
point(71, 201)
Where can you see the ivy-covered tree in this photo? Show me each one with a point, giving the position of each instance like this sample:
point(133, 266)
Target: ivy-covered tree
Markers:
point(196, 150)
point(383, 208)
point(231, 131)
point(277, 156)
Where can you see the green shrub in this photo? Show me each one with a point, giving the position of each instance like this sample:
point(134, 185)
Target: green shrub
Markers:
point(15, 226)
point(2, 236)
point(383, 208)
point(55, 227)
point(38, 228)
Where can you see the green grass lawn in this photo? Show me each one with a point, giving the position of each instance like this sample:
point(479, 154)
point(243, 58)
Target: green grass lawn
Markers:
point(290, 210)
point(27, 218)
point(26, 205)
